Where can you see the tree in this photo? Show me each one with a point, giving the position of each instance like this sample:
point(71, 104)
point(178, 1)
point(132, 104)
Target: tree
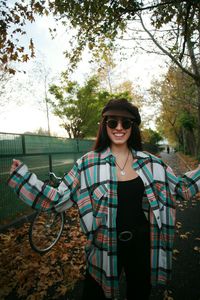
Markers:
point(130, 92)
point(181, 42)
point(5, 78)
point(79, 107)
point(176, 94)
point(95, 22)
point(13, 20)
point(174, 30)
point(151, 136)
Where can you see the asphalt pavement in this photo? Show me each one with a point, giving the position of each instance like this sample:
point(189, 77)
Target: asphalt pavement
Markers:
point(185, 283)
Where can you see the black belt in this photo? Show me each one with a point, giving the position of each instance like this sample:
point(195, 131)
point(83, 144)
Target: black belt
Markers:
point(127, 235)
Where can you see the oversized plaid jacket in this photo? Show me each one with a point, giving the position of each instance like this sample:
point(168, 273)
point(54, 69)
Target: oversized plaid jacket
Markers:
point(92, 185)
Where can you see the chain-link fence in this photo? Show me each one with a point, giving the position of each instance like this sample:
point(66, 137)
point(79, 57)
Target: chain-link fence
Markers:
point(42, 154)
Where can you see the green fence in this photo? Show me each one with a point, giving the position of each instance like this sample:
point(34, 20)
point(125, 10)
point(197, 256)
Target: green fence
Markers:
point(42, 154)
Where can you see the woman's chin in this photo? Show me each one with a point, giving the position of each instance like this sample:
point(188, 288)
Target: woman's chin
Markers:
point(119, 141)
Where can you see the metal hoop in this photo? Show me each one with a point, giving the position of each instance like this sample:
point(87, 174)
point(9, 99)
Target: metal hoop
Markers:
point(125, 236)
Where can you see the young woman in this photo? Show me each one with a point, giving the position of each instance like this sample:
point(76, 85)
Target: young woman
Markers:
point(126, 200)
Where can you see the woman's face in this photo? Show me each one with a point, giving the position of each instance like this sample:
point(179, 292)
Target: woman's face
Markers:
point(118, 129)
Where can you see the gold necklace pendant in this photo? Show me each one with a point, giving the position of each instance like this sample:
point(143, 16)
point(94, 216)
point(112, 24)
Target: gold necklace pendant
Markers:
point(123, 172)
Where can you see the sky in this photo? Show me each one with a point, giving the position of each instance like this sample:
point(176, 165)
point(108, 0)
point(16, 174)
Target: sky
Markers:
point(26, 111)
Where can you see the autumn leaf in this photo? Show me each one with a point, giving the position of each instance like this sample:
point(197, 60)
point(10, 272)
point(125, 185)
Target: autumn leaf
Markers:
point(167, 295)
point(30, 274)
point(175, 252)
point(196, 248)
point(183, 236)
point(178, 225)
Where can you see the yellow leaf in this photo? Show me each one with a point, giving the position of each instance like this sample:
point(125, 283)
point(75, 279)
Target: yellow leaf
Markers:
point(183, 236)
point(175, 251)
point(197, 249)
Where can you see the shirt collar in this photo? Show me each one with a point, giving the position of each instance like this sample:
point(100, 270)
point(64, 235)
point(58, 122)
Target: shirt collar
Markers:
point(136, 154)
point(106, 153)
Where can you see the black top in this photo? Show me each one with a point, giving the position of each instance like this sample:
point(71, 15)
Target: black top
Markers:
point(129, 212)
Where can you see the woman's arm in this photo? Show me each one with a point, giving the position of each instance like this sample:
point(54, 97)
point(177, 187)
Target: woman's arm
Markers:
point(186, 186)
point(37, 194)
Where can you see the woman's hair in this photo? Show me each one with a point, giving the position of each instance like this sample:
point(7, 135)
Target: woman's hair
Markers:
point(103, 140)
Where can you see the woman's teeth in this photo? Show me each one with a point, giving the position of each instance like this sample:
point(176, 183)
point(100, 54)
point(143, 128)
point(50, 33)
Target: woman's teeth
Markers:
point(118, 134)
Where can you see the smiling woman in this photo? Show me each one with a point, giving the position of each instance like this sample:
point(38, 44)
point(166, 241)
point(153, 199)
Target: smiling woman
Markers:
point(126, 200)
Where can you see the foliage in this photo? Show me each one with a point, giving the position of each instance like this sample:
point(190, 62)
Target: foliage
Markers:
point(176, 95)
point(41, 131)
point(173, 27)
point(13, 20)
point(181, 39)
point(5, 78)
point(187, 120)
point(151, 136)
point(79, 107)
point(130, 92)
point(96, 24)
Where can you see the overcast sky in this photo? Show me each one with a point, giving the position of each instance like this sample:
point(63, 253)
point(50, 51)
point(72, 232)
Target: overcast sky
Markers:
point(28, 115)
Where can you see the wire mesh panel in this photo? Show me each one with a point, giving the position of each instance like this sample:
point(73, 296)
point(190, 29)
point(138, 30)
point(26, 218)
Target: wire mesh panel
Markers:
point(85, 145)
point(36, 152)
point(10, 144)
point(47, 144)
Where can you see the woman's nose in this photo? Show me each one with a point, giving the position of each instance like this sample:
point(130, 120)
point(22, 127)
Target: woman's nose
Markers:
point(119, 125)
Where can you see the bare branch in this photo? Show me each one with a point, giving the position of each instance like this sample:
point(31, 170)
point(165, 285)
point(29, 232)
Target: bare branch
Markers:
point(185, 30)
point(150, 7)
point(195, 77)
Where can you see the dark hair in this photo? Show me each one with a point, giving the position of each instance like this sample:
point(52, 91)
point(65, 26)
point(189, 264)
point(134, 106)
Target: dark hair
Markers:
point(103, 140)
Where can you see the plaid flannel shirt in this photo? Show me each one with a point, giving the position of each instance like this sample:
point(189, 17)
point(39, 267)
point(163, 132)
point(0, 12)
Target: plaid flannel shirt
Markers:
point(92, 186)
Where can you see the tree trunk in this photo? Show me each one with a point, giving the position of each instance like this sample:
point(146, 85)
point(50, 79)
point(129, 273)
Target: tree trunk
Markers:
point(198, 122)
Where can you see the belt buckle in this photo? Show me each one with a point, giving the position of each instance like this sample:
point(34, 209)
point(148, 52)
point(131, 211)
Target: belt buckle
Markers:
point(125, 236)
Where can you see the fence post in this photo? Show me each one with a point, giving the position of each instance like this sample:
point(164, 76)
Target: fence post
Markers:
point(77, 145)
point(77, 149)
point(50, 163)
point(23, 144)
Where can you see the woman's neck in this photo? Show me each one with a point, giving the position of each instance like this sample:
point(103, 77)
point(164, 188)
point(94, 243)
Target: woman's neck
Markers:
point(119, 149)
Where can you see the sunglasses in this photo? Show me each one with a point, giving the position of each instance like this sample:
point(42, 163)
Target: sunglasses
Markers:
point(112, 123)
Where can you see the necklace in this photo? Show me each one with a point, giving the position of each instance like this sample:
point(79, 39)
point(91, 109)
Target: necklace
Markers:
point(122, 169)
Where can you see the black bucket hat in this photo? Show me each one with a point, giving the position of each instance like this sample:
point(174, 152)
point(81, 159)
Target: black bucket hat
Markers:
point(122, 108)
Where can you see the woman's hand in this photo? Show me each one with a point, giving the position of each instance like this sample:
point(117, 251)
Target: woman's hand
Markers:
point(16, 163)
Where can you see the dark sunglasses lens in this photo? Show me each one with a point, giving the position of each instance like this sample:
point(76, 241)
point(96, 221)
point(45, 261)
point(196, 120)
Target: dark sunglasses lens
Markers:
point(112, 124)
point(126, 124)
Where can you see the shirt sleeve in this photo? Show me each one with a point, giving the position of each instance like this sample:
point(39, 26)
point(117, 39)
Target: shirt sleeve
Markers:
point(184, 187)
point(37, 194)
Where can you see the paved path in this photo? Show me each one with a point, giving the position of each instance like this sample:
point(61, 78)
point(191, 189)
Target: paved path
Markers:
point(185, 284)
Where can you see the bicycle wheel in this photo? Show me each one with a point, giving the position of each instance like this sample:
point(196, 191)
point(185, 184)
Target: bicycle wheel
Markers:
point(45, 230)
